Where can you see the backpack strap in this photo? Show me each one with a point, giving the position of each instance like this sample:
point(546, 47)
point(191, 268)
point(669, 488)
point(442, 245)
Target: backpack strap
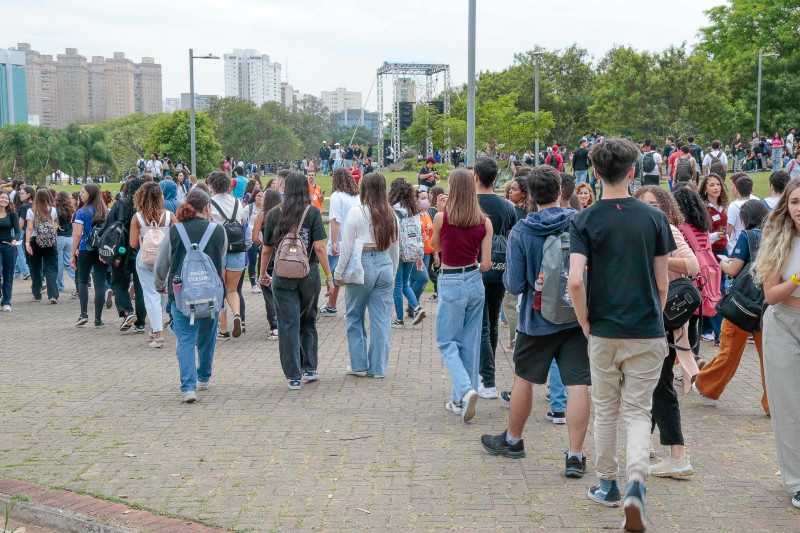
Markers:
point(206, 236)
point(764, 201)
point(753, 244)
point(187, 244)
point(302, 219)
point(221, 212)
point(235, 209)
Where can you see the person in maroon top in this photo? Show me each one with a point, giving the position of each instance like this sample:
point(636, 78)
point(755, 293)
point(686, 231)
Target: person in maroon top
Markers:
point(715, 194)
point(460, 232)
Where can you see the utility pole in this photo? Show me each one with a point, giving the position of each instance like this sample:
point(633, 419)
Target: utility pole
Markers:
point(470, 156)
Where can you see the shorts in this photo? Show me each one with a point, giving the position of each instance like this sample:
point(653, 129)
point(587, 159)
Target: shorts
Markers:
point(533, 355)
point(651, 179)
point(235, 262)
point(333, 260)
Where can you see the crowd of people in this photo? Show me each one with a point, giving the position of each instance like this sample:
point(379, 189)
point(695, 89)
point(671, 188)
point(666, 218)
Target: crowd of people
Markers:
point(611, 288)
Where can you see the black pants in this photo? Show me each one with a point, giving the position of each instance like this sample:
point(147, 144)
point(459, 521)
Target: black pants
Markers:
point(120, 281)
point(296, 302)
point(89, 263)
point(666, 409)
point(269, 303)
point(694, 333)
point(491, 317)
point(650, 179)
point(433, 275)
point(43, 261)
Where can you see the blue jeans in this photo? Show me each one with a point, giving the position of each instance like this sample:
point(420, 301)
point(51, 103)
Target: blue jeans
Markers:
point(8, 257)
point(203, 335)
point(375, 295)
point(21, 267)
point(581, 176)
point(401, 288)
point(324, 167)
point(419, 278)
point(64, 246)
point(558, 392)
point(777, 159)
point(458, 328)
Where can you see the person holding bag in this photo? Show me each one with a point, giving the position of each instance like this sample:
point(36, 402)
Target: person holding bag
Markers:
point(375, 225)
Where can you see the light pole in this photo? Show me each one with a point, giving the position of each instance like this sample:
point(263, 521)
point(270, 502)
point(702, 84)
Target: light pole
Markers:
point(536, 55)
point(761, 55)
point(192, 57)
point(470, 159)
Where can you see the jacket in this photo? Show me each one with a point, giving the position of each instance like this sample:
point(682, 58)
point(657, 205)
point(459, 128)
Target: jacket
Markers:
point(170, 191)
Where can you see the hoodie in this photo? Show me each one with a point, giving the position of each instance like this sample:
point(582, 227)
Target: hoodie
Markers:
point(524, 259)
point(170, 194)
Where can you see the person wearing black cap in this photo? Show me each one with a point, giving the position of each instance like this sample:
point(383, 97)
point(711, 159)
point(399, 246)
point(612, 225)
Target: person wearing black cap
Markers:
point(427, 176)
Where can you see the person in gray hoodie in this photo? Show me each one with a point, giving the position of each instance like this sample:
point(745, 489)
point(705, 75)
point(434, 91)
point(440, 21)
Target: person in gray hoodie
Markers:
point(539, 341)
point(170, 195)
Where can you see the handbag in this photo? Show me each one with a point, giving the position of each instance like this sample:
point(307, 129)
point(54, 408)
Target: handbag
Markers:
point(743, 304)
point(354, 271)
point(683, 299)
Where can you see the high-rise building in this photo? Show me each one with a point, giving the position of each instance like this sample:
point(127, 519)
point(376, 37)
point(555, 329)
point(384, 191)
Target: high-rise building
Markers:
point(171, 105)
point(147, 86)
point(252, 76)
point(201, 101)
point(290, 97)
point(49, 86)
point(353, 118)
point(33, 82)
point(406, 90)
point(119, 86)
point(13, 88)
point(98, 91)
point(341, 99)
point(73, 87)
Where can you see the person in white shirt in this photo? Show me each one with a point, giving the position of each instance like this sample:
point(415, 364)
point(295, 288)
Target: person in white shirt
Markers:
point(777, 184)
point(789, 142)
point(742, 188)
point(338, 156)
point(714, 153)
point(154, 167)
point(653, 175)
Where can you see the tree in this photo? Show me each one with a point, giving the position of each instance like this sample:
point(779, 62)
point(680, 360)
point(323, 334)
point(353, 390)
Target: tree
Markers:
point(51, 151)
point(450, 132)
point(172, 134)
point(423, 124)
point(89, 143)
point(126, 138)
point(15, 140)
point(501, 127)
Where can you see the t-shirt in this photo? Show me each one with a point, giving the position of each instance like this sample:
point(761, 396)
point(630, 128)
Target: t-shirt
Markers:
point(789, 143)
point(427, 231)
point(337, 154)
point(620, 239)
point(312, 230)
point(30, 216)
point(84, 217)
point(340, 206)
point(154, 167)
point(316, 196)
point(9, 227)
point(239, 185)
point(500, 211)
point(719, 154)
point(735, 221)
point(742, 248)
point(356, 173)
point(771, 202)
point(431, 180)
point(64, 225)
point(657, 159)
point(226, 202)
point(348, 153)
point(580, 159)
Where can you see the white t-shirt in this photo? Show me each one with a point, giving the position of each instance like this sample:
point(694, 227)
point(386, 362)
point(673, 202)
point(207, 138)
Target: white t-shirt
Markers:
point(794, 264)
point(657, 158)
point(226, 202)
point(789, 144)
point(154, 167)
point(719, 154)
point(772, 201)
point(340, 206)
point(29, 216)
point(337, 154)
point(736, 221)
point(793, 168)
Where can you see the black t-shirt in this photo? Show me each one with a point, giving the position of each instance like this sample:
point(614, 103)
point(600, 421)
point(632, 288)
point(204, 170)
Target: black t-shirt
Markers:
point(64, 224)
point(620, 239)
point(500, 211)
point(312, 226)
point(428, 182)
point(580, 159)
point(9, 227)
point(348, 153)
point(357, 153)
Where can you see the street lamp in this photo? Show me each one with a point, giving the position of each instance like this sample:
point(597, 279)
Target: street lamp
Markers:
point(470, 159)
point(192, 57)
point(536, 55)
point(761, 55)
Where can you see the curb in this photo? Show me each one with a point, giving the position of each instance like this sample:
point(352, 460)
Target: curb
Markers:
point(58, 519)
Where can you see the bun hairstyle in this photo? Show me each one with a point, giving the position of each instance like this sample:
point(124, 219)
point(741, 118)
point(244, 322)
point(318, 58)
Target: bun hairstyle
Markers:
point(195, 205)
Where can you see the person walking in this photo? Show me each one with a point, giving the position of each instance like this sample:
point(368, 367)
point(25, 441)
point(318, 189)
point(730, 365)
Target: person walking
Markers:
point(404, 203)
point(252, 211)
point(65, 211)
point(296, 298)
point(325, 157)
point(22, 201)
point(777, 152)
point(84, 258)
point(272, 199)
point(41, 243)
point(460, 233)
point(9, 232)
point(374, 226)
point(419, 278)
point(193, 228)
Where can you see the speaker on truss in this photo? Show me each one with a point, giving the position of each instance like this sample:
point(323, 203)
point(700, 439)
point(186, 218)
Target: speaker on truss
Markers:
point(439, 105)
point(405, 112)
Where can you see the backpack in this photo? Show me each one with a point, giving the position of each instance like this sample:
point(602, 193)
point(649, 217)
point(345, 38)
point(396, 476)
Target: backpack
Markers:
point(148, 250)
point(556, 302)
point(410, 239)
point(683, 168)
point(695, 152)
point(291, 257)
point(552, 160)
point(648, 162)
point(708, 280)
point(683, 300)
point(233, 229)
point(637, 167)
point(202, 293)
point(714, 159)
point(766, 204)
point(141, 164)
point(743, 303)
point(46, 234)
point(112, 242)
point(499, 248)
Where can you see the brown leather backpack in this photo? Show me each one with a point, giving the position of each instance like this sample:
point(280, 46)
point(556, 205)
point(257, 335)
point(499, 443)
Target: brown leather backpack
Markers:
point(291, 258)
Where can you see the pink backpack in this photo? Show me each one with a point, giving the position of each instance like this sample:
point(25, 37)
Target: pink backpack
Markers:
point(708, 280)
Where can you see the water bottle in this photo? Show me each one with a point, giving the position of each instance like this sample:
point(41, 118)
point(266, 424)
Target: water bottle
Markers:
point(177, 284)
point(537, 294)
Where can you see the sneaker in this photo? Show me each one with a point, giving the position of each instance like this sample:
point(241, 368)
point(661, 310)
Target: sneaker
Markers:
point(612, 498)
point(37, 299)
point(468, 405)
point(498, 445)
point(671, 467)
point(489, 393)
point(237, 327)
point(328, 311)
point(203, 385)
point(410, 312)
point(453, 407)
point(547, 397)
point(556, 418)
point(255, 289)
point(294, 384)
point(99, 323)
point(433, 297)
point(708, 337)
point(634, 507)
point(53, 301)
point(127, 322)
point(82, 320)
point(310, 375)
point(73, 296)
point(6, 308)
point(226, 335)
point(505, 397)
point(398, 324)
point(26, 277)
point(273, 335)
point(359, 373)
point(703, 399)
point(156, 343)
point(575, 468)
point(418, 315)
point(375, 376)
point(188, 396)
point(109, 298)
point(139, 329)
point(716, 344)
point(796, 499)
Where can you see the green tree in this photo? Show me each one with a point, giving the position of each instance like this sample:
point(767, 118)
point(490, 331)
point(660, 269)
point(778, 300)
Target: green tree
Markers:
point(15, 140)
point(172, 134)
point(450, 132)
point(89, 143)
point(501, 127)
point(423, 124)
point(126, 137)
point(51, 150)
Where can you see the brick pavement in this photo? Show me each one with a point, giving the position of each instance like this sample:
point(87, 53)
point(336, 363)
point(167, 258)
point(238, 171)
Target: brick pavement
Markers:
point(97, 411)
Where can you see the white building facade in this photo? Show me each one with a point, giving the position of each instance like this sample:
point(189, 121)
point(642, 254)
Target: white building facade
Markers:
point(341, 99)
point(252, 76)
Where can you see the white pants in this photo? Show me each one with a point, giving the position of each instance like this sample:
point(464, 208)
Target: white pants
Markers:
point(154, 302)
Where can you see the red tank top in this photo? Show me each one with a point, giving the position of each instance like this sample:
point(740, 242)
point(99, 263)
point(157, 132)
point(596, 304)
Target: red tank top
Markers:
point(460, 246)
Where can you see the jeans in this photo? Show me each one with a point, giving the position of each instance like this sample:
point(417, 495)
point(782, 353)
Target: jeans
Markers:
point(203, 335)
point(777, 159)
point(493, 302)
point(433, 275)
point(120, 281)
point(253, 260)
point(581, 176)
point(666, 410)
point(558, 392)
point(402, 287)
point(44, 262)
point(21, 266)
point(419, 278)
point(154, 302)
point(458, 321)
point(374, 295)
point(325, 167)
point(89, 262)
point(337, 163)
point(64, 248)
point(8, 256)
point(296, 302)
point(269, 304)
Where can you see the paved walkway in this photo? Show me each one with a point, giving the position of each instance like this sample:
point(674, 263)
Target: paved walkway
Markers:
point(97, 411)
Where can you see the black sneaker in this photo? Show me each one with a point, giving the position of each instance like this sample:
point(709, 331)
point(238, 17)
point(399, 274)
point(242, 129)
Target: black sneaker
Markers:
point(418, 315)
point(226, 335)
point(557, 417)
point(612, 498)
point(796, 499)
point(138, 328)
point(497, 445)
point(99, 323)
point(635, 519)
point(127, 322)
point(82, 320)
point(410, 311)
point(576, 468)
point(505, 397)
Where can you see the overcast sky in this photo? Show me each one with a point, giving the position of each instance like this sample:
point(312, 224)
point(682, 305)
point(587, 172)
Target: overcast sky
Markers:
point(339, 43)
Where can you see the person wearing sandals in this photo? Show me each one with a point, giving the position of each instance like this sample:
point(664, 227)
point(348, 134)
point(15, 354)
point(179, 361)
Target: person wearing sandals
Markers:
point(374, 224)
point(150, 214)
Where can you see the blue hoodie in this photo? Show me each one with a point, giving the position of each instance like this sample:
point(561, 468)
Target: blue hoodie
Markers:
point(524, 259)
point(170, 194)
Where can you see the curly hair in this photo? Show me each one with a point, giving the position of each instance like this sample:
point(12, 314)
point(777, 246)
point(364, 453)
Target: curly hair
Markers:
point(723, 194)
point(666, 203)
point(195, 204)
point(401, 192)
point(149, 201)
point(343, 181)
point(219, 182)
point(692, 208)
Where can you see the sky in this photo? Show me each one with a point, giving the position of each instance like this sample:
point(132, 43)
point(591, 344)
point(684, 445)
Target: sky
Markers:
point(324, 45)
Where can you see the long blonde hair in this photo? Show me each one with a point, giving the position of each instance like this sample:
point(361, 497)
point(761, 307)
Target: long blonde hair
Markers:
point(776, 239)
point(462, 207)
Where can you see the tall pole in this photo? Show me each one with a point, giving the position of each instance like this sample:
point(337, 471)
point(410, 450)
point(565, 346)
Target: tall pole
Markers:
point(536, 105)
point(470, 159)
point(758, 94)
point(191, 108)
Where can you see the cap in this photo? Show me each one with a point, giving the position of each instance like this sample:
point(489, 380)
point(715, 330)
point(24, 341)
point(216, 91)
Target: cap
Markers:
point(324, 142)
point(336, 144)
point(555, 147)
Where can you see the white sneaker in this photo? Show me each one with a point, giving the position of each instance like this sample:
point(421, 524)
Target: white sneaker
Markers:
point(255, 289)
point(453, 407)
point(203, 385)
point(670, 467)
point(359, 373)
point(468, 405)
point(488, 393)
point(6, 308)
point(703, 399)
point(708, 337)
point(188, 396)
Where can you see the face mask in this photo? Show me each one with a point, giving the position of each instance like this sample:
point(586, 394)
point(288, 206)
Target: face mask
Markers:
point(424, 204)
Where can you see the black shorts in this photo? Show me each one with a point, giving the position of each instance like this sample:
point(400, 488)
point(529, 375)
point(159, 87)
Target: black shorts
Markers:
point(533, 355)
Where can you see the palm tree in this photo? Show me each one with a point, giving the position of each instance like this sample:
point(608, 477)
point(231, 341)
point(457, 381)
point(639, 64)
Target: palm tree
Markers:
point(89, 140)
point(15, 140)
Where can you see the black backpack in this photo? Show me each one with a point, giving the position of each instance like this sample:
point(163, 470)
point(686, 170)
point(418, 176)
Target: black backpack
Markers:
point(743, 303)
point(233, 229)
point(683, 299)
point(552, 160)
point(696, 151)
point(141, 164)
point(112, 242)
point(648, 163)
point(683, 168)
